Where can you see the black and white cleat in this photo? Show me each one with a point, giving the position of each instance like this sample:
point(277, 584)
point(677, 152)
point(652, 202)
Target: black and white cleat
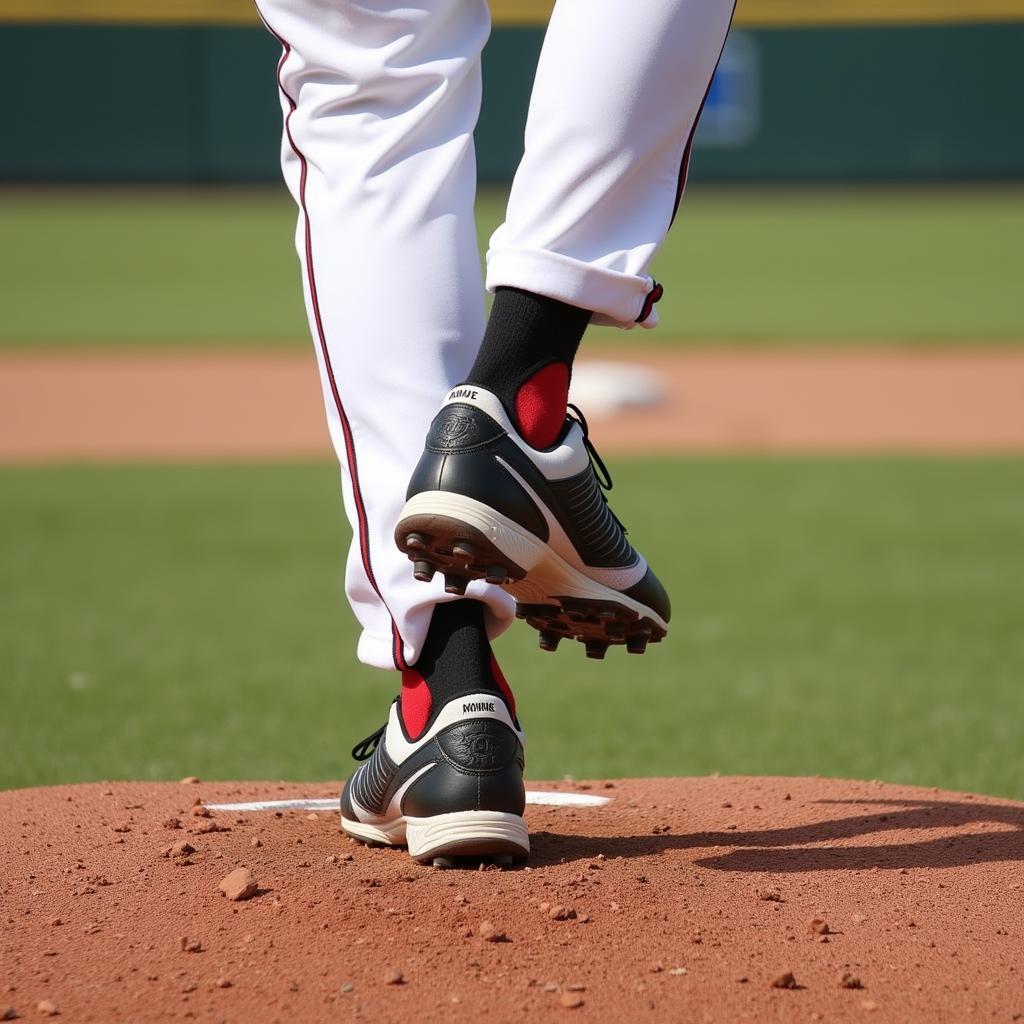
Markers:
point(484, 505)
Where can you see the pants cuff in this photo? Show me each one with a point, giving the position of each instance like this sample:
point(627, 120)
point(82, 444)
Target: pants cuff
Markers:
point(378, 651)
point(617, 299)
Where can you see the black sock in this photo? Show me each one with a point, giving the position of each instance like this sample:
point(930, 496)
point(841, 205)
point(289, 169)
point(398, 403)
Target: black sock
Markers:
point(456, 660)
point(526, 359)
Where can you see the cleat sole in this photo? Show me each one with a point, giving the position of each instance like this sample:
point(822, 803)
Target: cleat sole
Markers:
point(598, 627)
point(554, 597)
point(460, 834)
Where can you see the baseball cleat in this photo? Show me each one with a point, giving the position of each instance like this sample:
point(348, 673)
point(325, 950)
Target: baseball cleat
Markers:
point(484, 505)
point(452, 793)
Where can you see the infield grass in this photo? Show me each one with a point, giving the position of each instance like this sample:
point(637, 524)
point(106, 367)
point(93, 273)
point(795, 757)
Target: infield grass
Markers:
point(164, 266)
point(850, 617)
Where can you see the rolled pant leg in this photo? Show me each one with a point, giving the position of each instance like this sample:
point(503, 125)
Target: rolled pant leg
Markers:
point(380, 101)
point(618, 92)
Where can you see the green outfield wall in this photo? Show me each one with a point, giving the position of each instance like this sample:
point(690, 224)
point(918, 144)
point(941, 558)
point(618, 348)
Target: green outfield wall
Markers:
point(101, 101)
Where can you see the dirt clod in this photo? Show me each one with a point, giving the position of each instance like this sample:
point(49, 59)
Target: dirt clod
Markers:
point(47, 1008)
point(201, 811)
point(240, 884)
point(489, 933)
point(222, 983)
point(172, 822)
point(190, 945)
point(8, 1013)
point(394, 978)
point(190, 780)
point(209, 827)
point(571, 1000)
point(849, 980)
point(819, 926)
point(784, 980)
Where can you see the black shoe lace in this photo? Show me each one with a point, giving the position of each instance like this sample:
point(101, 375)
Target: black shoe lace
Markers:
point(364, 749)
point(604, 478)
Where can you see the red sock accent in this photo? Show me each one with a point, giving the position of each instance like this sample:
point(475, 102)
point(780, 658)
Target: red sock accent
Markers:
point(506, 690)
point(415, 703)
point(541, 404)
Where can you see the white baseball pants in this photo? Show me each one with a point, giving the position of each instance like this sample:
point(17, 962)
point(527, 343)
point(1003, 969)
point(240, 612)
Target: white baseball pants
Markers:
point(380, 100)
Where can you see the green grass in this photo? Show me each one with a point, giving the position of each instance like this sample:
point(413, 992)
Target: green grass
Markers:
point(852, 618)
point(140, 266)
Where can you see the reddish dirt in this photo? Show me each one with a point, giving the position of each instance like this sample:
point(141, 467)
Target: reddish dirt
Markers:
point(712, 899)
point(197, 405)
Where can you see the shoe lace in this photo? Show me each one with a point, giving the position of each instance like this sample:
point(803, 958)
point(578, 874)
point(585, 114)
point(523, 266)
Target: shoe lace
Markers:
point(604, 478)
point(364, 749)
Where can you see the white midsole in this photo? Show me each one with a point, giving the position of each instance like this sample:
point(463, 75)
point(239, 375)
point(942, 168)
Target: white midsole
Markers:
point(445, 831)
point(548, 575)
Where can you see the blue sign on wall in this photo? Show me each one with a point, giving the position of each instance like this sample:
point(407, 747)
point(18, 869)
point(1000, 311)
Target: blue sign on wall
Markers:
point(732, 112)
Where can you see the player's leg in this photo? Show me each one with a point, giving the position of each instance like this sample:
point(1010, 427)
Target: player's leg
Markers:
point(616, 99)
point(380, 103)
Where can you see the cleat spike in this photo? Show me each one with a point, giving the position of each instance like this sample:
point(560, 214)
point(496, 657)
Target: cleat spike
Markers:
point(463, 549)
point(443, 862)
point(549, 641)
point(454, 584)
point(596, 649)
point(496, 574)
point(415, 542)
point(505, 860)
point(536, 611)
point(636, 644)
point(423, 571)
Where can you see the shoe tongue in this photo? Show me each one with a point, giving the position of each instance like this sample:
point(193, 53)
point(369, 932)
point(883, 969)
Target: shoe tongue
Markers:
point(566, 430)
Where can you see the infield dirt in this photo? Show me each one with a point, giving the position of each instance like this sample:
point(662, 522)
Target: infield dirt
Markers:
point(211, 405)
point(705, 899)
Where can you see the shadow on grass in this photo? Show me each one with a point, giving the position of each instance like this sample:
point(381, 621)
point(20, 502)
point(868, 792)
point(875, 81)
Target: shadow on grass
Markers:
point(798, 848)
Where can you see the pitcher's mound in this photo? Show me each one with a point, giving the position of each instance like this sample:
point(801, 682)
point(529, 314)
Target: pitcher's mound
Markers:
point(715, 899)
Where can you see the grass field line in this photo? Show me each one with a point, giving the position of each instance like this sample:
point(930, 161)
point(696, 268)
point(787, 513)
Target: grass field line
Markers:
point(848, 617)
point(141, 266)
point(230, 404)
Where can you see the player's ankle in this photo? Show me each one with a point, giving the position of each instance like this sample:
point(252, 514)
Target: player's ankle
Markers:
point(456, 660)
point(526, 359)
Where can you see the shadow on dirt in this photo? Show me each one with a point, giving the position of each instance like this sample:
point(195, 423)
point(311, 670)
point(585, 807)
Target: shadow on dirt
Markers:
point(798, 848)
